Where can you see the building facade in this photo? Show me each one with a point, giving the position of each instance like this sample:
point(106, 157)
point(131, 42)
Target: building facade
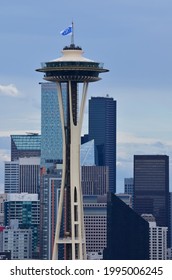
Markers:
point(22, 175)
point(3, 198)
point(95, 216)
point(87, 154)
point(17, 241)
point(157, 239)
point(127, 232)
point(11, 178)
point(151, 187)
point(95, 180)
point(25, 208)
point(49, 198)
point(170, 220)
point(28, 145)
point(51, 130)
point(29, 175)
point(102, 128)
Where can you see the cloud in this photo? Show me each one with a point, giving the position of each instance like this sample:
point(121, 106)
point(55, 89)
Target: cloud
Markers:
point(131, 138)
point(4, 155)
point(9, 90)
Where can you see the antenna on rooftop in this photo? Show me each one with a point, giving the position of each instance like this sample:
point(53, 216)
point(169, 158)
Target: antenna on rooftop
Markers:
point(72, 36)
point(32, 133)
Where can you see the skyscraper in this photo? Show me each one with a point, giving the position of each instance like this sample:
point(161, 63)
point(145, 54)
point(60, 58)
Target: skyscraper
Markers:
point(17, 241)
point(29, 171)
point(95, 216)
point(51, 130)
point(102, 128)
point(151, 187)
point(72, 68)
point(22, 175)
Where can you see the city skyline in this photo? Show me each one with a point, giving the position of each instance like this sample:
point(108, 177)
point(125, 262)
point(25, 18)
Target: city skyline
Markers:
point(133, 41)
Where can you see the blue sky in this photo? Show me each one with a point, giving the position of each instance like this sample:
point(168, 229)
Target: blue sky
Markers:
point(132, 38)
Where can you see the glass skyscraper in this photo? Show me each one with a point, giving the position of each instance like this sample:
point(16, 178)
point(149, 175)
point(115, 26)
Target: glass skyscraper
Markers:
point(51, 131)
point(102, 128)
point(87, 154)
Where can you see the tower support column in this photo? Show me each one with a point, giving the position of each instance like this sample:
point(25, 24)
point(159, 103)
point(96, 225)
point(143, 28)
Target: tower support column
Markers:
point(74, 240)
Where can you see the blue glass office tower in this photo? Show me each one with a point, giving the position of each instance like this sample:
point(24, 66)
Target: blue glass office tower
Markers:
point(51, 131)
point(102, 128)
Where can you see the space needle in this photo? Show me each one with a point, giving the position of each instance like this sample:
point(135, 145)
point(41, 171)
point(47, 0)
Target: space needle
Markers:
point(73, 69)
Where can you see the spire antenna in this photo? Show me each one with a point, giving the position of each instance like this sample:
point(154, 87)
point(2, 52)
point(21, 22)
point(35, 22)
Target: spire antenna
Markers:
point(72, 36)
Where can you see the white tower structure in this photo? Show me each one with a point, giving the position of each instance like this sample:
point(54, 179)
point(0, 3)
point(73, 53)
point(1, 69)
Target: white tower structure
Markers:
point(72, 68)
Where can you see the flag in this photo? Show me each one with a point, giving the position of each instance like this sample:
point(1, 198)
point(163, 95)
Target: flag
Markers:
point(67, 31)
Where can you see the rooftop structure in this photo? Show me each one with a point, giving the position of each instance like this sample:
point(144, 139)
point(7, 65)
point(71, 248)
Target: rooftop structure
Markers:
point(28, 145)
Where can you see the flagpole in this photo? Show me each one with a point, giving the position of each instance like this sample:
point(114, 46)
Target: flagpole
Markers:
point(72, 36)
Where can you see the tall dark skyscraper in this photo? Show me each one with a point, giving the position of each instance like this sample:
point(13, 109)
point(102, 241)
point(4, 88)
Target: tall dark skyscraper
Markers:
point(102, 128)
point(151, 186)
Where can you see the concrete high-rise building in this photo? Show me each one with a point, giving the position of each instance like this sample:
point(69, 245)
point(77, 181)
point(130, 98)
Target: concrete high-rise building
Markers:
point(51, 129)
point(72, 68)
point(102, 128)
point(17, 241)
point(28, 145)
point(151, 187)
point(11, 184)
point(157, 239)
point(22, 175)
point(95, 221)
point(29, 175)
point(127, 232)
point(95, 180)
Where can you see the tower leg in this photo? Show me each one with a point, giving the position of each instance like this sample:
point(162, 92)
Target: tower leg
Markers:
point(75, 240)
point(61, 200)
